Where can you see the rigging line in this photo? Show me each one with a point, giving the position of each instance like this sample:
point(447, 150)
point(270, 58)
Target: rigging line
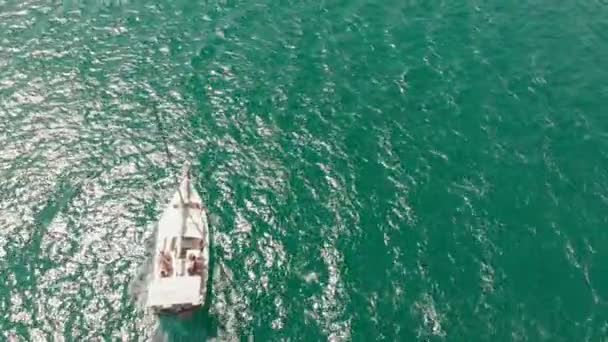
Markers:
point(163, 136)
point(186, 212)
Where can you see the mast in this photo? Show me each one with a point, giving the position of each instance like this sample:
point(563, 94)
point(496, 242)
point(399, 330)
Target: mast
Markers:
point(184, 205)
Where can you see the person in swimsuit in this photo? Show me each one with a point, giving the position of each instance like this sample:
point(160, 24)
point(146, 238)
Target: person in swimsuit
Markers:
point(191, 265)
point(165, 264)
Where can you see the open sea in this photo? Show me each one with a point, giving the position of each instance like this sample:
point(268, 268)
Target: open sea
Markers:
point(375, 170)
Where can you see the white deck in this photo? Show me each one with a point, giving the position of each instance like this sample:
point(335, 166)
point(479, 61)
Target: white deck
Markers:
point(173, 217)
point(166, 292)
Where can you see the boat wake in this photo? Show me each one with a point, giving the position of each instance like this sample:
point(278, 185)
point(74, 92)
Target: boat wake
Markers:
point(138, 289)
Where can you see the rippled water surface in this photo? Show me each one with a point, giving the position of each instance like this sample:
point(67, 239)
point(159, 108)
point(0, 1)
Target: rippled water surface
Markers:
point(375, 170)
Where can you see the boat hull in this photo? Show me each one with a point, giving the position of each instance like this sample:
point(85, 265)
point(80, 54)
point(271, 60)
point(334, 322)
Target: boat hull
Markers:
point(181, 265)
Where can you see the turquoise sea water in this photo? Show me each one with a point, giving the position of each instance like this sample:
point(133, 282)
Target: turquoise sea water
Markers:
point(375, 170)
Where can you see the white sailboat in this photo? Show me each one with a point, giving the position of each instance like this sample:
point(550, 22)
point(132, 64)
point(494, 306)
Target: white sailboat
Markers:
point(181, 260)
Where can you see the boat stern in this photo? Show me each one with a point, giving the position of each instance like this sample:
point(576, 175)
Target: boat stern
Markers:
point(175, 294)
